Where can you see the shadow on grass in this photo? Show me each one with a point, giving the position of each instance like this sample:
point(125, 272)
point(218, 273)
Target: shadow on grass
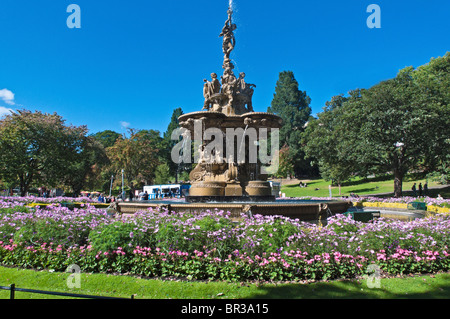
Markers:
point(363, 190)
point(350, 289)
point(310, 184)
point(366, 180)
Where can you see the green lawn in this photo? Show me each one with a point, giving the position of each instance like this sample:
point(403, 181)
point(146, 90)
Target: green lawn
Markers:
point(434, 286)
point(320, 188)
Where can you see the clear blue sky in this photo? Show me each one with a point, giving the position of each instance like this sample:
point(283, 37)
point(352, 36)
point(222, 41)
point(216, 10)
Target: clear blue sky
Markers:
point(136, 61)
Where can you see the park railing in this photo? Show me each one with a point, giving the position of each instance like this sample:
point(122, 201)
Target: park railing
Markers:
point(12, 288)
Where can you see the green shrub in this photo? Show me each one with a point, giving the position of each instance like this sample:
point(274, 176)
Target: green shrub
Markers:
point(109, 237)
point(15, 209)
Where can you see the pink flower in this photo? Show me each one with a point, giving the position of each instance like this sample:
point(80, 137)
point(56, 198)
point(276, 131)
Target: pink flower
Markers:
point(381, 256)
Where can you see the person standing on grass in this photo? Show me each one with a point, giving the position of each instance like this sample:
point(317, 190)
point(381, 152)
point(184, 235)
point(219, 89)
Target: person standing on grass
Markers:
point(420, 189)
point(425, 189)
point(132, 189)
point(413, 188)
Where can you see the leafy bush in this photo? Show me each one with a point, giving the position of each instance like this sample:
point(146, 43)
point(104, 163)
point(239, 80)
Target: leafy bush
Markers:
point(111, 236)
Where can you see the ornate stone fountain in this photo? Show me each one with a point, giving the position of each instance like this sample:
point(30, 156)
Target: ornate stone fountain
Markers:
point(232, 163)
point(237, 171)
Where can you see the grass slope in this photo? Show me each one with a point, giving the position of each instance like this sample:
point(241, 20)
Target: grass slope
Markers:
point(425, 287)
point(320, 188)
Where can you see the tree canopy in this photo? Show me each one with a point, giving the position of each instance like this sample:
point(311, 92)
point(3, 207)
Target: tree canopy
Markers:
point(38, 148)
point(398, 126)
point(107, 138)
point(136, 154)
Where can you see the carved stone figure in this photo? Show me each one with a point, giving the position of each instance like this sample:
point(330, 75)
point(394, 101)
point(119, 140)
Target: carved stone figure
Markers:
point(229, 40)
point(209, 89)
point(229, 82)
point(245, 89)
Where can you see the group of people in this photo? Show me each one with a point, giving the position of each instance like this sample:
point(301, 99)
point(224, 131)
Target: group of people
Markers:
point(423, 191)
point(159, 195)
point(101, 198)
point(301, 184)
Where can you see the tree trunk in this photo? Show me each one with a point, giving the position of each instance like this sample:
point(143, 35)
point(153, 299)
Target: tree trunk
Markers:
point(22, 186)
point(25, 183)
point(23, 190)
point(398, 183)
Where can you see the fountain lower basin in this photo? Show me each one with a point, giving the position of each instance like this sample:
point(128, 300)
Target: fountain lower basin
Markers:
point(304, 210)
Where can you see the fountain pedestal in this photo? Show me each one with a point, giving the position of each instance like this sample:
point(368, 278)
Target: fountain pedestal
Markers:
point(233, 189)
point(233, 157)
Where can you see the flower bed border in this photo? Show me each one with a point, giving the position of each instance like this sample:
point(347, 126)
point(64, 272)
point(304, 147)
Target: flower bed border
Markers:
point(431, 209)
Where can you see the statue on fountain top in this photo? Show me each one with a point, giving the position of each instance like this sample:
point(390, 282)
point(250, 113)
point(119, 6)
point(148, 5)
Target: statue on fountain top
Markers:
point(229, 41)
point(233, 94)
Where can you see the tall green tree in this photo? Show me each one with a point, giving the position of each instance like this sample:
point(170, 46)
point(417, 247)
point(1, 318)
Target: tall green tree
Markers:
point(100, 173)
point(174, 168)
point(162, 174)
point(292, 105)
point(326, 146)
point(38, 148)
point(398, 126)
point(433, 83)
point(84, 170)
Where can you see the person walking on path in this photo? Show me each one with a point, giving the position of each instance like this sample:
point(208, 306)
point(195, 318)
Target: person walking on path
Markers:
point(132, 189)
point(413, 188)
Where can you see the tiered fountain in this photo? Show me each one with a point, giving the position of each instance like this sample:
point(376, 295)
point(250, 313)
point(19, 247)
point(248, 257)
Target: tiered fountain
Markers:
point(232, 169)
